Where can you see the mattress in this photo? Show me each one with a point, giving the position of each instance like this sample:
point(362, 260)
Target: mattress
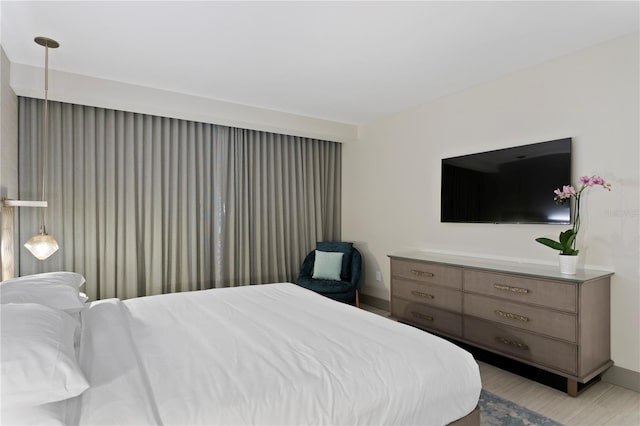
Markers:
point(265, 354)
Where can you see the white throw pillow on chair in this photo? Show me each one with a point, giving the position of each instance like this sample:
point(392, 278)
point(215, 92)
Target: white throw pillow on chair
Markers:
point(327, 265)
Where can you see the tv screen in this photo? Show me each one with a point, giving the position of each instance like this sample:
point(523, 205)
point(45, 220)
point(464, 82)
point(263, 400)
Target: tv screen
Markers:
point(512, 185)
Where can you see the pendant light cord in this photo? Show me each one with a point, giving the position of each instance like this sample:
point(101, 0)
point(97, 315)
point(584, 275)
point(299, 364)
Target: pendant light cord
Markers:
point(45, 136)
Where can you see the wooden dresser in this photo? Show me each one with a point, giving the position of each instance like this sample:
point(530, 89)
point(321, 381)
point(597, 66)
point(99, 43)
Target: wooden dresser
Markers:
point(530, 313)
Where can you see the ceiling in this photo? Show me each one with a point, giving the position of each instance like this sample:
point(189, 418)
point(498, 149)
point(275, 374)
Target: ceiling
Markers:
point(350, 62)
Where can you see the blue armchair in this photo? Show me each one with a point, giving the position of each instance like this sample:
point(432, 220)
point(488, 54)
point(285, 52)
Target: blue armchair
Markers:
point(348, 287)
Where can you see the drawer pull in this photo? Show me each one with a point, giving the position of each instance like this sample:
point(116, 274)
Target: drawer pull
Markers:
point(509, 288)
point(421, 316)
point(421, 294)
point(422, 273)
point(511, 316)
point(510, 342)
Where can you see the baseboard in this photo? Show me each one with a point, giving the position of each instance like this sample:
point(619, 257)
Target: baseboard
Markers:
point(622, 377)
point(376, 302)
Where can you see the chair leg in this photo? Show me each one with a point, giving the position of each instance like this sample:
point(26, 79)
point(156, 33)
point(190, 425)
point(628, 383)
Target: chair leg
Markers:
point(357, 299)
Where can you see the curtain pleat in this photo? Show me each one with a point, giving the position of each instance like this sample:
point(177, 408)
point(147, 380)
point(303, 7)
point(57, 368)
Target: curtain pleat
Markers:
point(144, 205)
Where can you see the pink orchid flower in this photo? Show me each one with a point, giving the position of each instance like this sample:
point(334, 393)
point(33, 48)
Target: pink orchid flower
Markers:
point(567, 192)
point(586, 180)
point(592, 181)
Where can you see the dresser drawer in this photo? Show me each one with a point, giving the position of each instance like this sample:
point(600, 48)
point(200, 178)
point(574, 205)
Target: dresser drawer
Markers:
point(448, 276)
point(428, 294)
point(553, 294)
point(525, 346)
point(427, 317)
point(552, 323)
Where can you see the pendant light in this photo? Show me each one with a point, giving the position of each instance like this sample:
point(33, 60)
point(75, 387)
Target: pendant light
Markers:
point(43, 245)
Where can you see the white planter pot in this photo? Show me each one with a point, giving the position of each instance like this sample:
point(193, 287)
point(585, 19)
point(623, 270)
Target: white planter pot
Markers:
point(568, 264)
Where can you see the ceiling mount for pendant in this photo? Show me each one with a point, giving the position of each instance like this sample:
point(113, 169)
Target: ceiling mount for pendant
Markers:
point(47, 42)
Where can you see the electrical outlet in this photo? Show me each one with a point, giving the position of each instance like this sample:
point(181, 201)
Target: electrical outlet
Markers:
point(378, 276)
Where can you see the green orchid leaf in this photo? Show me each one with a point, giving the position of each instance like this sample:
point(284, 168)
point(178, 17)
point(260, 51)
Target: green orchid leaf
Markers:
point(550, 243)
point(567, 237)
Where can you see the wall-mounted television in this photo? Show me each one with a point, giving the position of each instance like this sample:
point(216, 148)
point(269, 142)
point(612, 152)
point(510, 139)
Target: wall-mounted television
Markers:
point(512, 185)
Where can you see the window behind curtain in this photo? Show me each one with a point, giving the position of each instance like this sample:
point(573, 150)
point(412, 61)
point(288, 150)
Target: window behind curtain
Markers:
point(145, 205)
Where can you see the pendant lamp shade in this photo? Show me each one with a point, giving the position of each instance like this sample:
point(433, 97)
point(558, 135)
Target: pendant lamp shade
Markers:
point(42, 245)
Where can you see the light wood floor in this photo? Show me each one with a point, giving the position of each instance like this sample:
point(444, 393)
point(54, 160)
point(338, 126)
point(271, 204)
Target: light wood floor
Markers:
point(601, 404)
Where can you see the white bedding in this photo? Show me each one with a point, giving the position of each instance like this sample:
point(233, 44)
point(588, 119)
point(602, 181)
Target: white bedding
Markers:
point(267, 354)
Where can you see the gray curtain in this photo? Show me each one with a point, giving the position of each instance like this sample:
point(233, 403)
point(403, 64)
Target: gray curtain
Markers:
point(145, 205)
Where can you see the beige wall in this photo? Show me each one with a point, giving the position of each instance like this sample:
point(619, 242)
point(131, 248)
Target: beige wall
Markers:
point(391, 176)
point(8, 133)
point(8, 138)
point(85, 90)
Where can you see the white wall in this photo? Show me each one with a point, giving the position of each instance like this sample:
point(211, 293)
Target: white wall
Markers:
point(84, 90)
point(391, 176)
point(8, 146)
point(8, 133)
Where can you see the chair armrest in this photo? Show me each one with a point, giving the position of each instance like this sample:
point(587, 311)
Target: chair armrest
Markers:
point(356, 269)
point(306, 270)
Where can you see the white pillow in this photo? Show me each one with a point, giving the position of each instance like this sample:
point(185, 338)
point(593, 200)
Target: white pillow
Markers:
point(56, 296)
point(327, 265)
point(38, 359)
point(59, 290)
point(72, 279)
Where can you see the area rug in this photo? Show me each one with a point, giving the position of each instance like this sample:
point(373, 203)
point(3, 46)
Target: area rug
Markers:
point(496, 411)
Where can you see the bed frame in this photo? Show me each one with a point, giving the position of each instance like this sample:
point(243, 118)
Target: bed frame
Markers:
point(471, 419)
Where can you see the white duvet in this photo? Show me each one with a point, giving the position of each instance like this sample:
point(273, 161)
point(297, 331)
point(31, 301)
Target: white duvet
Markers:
point(271, 354)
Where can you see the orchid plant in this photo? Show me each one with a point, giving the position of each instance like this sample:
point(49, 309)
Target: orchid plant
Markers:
point(566, 244)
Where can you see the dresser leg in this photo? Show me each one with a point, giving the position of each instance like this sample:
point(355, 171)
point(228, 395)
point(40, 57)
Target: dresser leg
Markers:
point(572, 387)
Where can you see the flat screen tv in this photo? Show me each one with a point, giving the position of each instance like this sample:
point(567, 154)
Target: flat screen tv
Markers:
point(512, 185)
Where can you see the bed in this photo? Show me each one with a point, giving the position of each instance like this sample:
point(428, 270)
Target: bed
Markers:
point(264, 354)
